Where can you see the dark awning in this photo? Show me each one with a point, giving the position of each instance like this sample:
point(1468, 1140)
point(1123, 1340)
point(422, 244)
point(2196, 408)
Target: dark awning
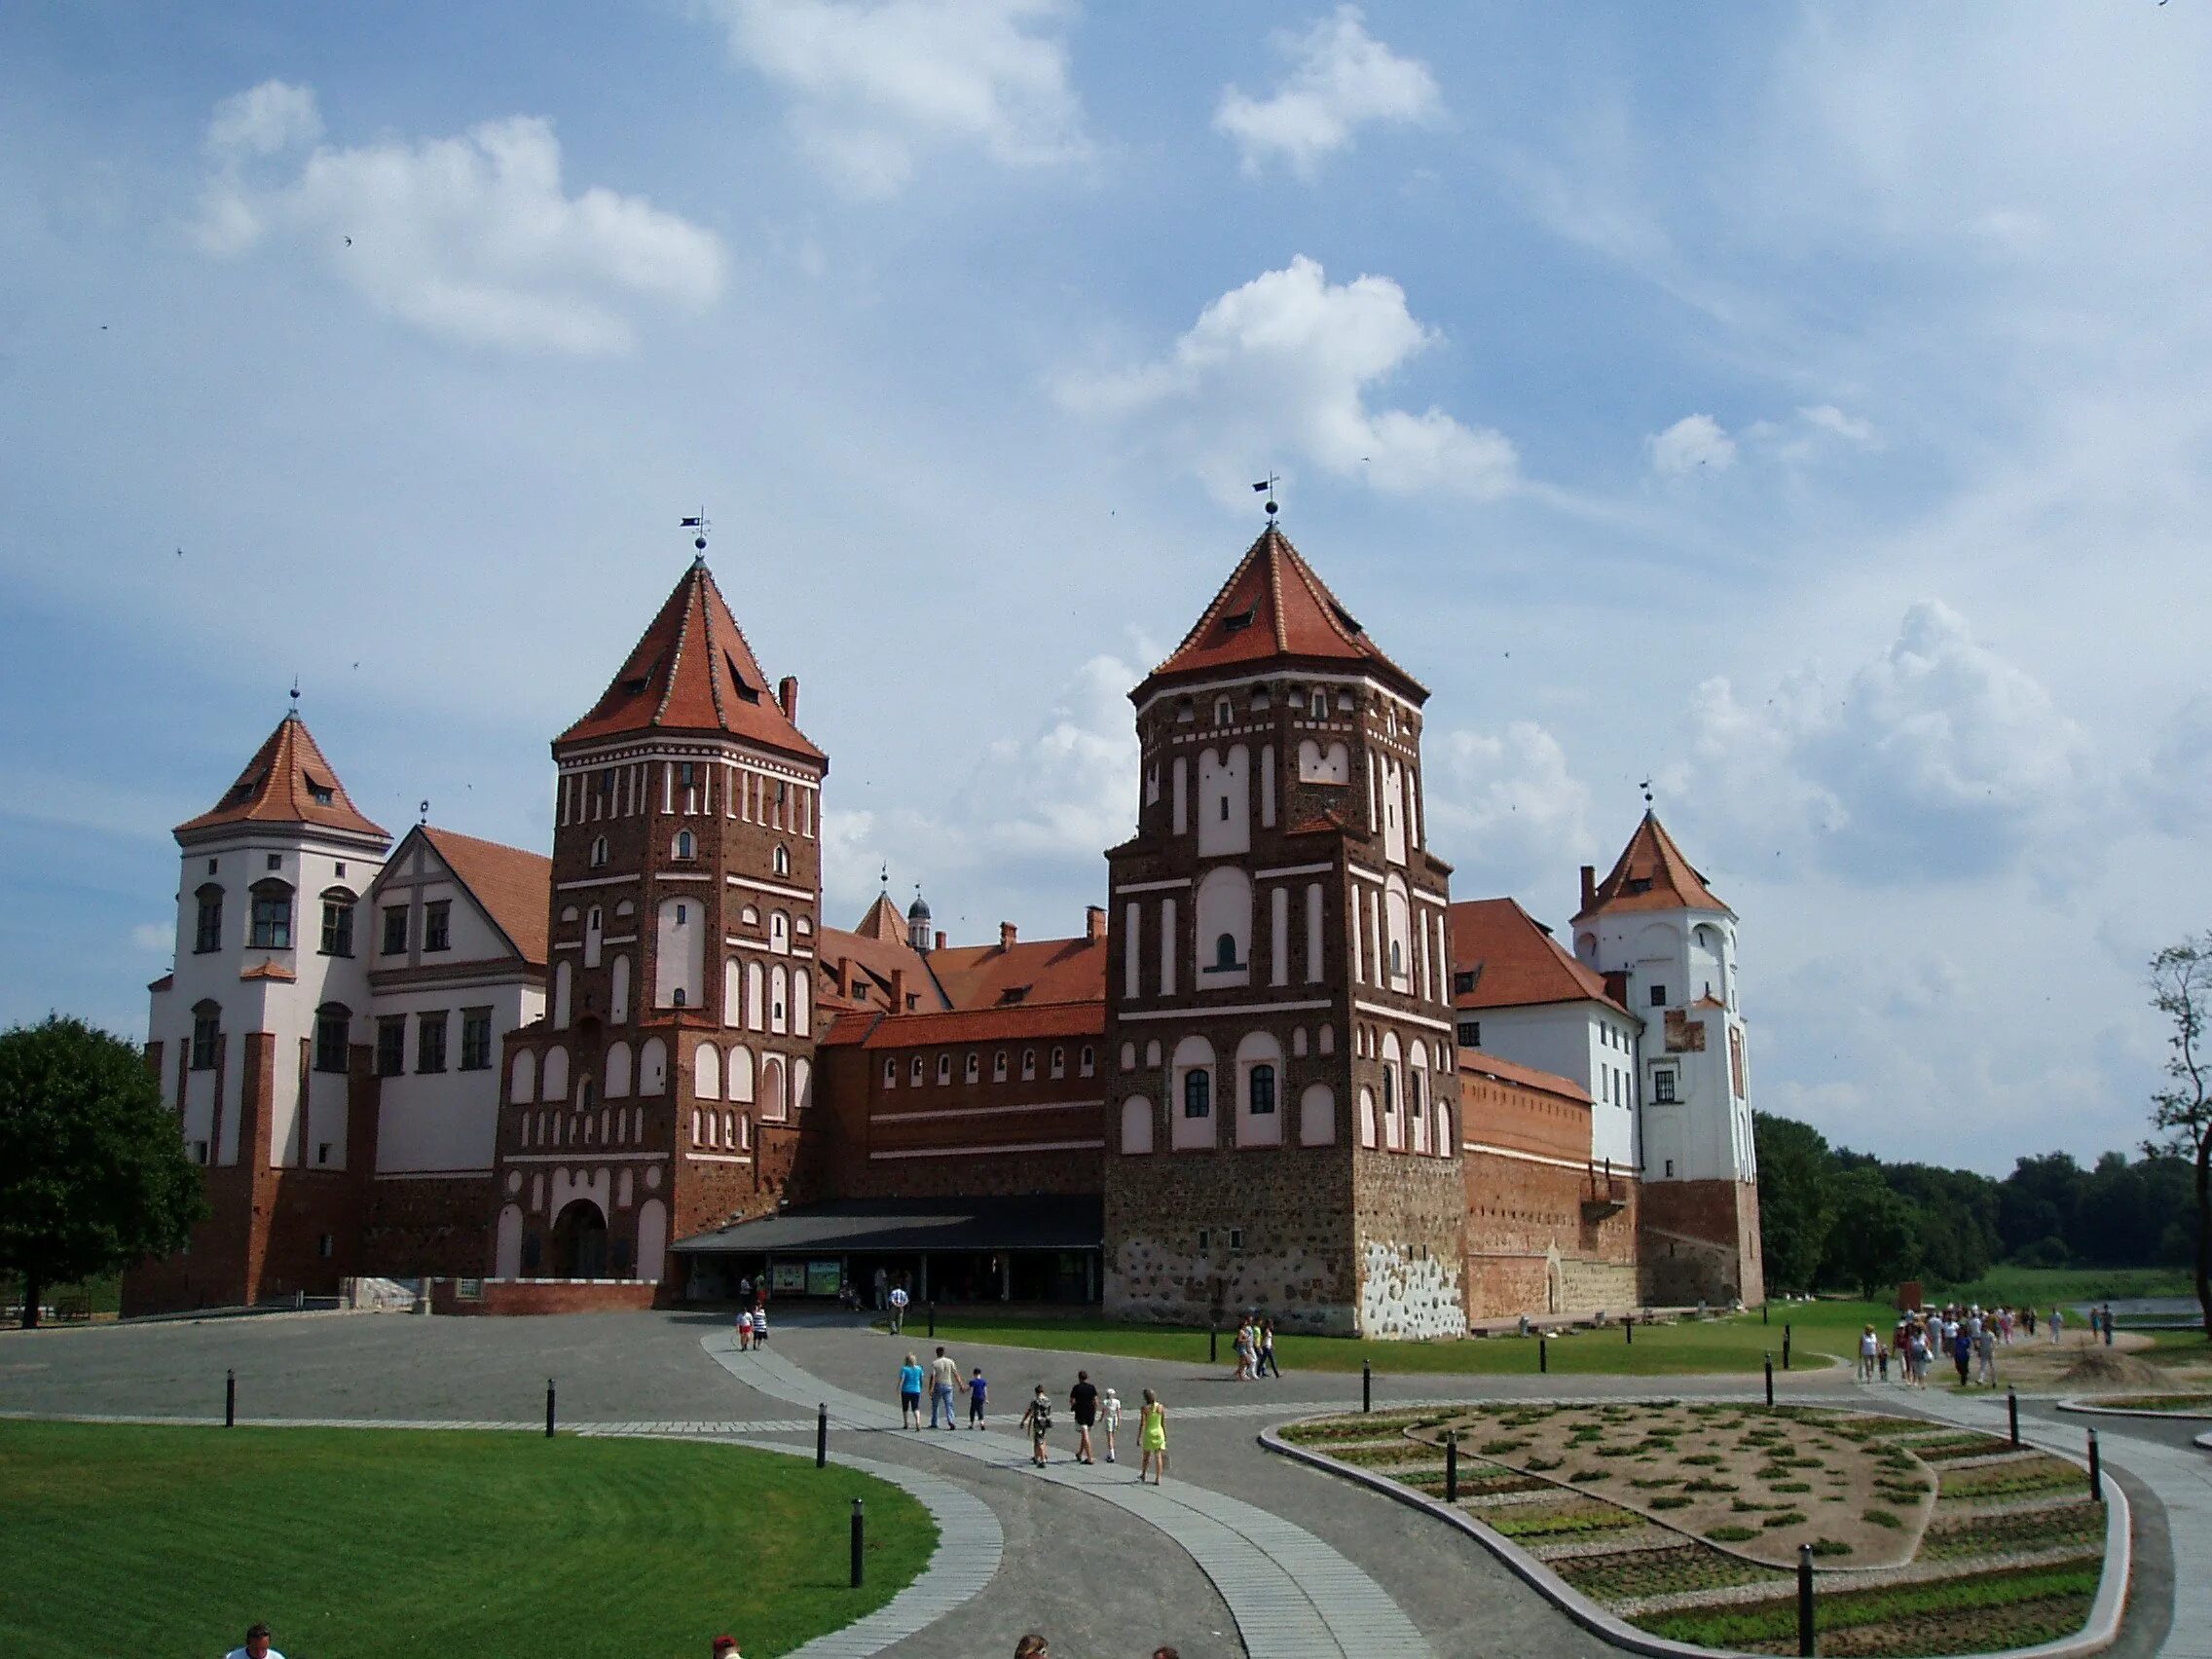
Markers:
point(911, 1225)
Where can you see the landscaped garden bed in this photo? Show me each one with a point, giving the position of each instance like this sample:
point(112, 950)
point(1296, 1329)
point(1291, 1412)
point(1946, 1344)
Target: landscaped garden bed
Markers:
point(1685, 1520)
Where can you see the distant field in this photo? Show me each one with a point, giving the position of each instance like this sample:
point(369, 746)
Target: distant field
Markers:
point(2039, 1287)
point(380, 1543)
point(104, 1294)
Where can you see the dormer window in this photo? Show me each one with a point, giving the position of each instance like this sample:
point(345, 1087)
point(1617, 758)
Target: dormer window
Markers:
point(750, 692)
point(1236, 621)
point(321, 793)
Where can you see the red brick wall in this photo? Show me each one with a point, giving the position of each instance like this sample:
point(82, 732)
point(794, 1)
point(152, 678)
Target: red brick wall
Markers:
point(1532, 1248)
point(543, 1296)
point(1701, 1243)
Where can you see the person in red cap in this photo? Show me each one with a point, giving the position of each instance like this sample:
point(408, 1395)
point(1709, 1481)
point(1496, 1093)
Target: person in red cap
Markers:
point(726, 1648)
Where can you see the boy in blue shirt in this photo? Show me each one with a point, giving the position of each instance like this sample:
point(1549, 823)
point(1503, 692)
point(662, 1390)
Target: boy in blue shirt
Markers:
point(977, 1389)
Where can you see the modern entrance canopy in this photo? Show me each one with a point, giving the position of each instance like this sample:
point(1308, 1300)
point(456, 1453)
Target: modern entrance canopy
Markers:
point(872, 1226)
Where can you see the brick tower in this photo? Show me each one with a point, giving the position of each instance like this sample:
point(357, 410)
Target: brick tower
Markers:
point(665, 1089)
point(1284, 1095)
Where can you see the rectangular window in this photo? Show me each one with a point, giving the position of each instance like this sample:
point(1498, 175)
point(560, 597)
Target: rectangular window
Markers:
point(207, 934)
point(430, 1042)
point(333, 1037)
point(272, 920)
point(1463, 983)
point(1470, 1033)
point(1663, 1086)
point(207, 1040)
point(396, 929)
point(322, 1152)
point(476, 1039)
point(327, 1246)
point(338, 927)
point(1658, 996)
point(200, 1152)
point(437, 922)
point(392, 1045)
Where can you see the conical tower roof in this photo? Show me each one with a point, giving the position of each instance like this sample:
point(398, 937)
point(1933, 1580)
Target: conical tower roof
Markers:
point(692, 671)
point(1272, 611)
point(286, 782)
point(883, 922)
point(1651, 874)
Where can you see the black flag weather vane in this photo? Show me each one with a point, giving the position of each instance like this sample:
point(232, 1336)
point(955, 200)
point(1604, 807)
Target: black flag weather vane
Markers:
point(1266, 487)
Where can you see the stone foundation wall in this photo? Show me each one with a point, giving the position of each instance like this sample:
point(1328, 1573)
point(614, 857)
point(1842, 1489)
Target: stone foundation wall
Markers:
point(419, 1229)
point(1700, 1242)
point(543, 1296)
point(1410, 1221)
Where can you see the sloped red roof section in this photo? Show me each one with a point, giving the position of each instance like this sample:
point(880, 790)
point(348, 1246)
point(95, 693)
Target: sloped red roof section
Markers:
point(515, 886)
point(693, 671)
point(1027, 972)
point(1274, 609)
point(1651, 874)
point(287, 782)
point(1515, 961)
point(883, 922)
point(989, 1025)
point(1479, 1064)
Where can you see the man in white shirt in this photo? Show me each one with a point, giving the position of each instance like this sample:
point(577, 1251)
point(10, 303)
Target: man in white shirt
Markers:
point(256, 1644)
point(897, 1308)
point(945, 1377)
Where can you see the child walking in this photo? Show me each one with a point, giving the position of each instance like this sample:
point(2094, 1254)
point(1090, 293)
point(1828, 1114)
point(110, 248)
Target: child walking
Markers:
point(1110, 1414)
point(744, 1331)
point(1038, 1419)
point(978, 1391)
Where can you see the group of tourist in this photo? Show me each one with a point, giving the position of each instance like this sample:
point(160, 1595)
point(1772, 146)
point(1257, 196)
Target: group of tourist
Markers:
point(1094, 1410)
point(1968, 1337)
point(753, 1318)
point(1255, 1348)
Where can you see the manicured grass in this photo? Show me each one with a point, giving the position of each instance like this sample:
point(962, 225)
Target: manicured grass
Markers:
point(102, 1295)
point(363, 1543)
point(1736, 1343)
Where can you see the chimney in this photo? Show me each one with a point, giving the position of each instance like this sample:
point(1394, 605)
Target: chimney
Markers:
point(940, 939)
point(1005, 935)
point(898, 990)
point(1589, 885)
point(787, 693)
point(1095, 923)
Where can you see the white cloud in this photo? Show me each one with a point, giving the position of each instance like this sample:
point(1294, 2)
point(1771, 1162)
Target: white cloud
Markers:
point(875, 83)
point(155, 938)
point(1341, 79)
point(1283, 367)
point(264, 120)
point(1507, 813)
point(472, 238)
point(1827, 418)
point(1694, 441)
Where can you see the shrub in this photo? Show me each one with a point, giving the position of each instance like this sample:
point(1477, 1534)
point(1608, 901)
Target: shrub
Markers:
point(1789, 1486)
point(1702, 1460)
point(1669, 1500)
point(1831, 1547)
point(1499, 1447)
point(1788, 1518)
point(1881, 1518)
point(1705, 1483)
point(1583, 1477)
point(1731, 1534)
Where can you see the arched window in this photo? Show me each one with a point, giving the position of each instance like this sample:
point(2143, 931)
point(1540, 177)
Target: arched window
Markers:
point(1225, 951)
point(1060, 1066)
point(207, 930)
point(686, 846)
point(779, 933)
point(1397, 960)
point(1136, 1126)
point(599, 852)
point(890, 1071)
point(943, 1070)
point(741, 1074)
point(1198, 1093)
point(1028, 1065)
point(707, 1069)
point(802, 1002)
point(916, 1071)
point(618, 993)
point(779, 1017)
point(272, 916)
point(998, 1066)
point(783, 861)
point(756, 1000)
point(1088, 1063)
point(618, 1071)
point(974, 1067)
point(1262, 1084)
point(587, 1094)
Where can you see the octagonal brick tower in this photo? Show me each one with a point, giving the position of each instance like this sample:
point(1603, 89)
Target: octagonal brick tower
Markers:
point(1283, 1094)
point(666, 1091)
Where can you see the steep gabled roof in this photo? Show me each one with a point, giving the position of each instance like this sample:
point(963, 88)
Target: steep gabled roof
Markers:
point(870, 961)
point(1651, 874)
point(1514, 959)
point(513, 886)
point(883, 922)
point(693, 671)
point(286, 782)
point(1274, 609)
point(1034, 971)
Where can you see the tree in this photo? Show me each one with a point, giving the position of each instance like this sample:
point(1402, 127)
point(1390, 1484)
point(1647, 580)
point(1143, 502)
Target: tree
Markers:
point(1875, 1236)
point(1794, 1171)
point(2181, 1113)
point(92, 1172)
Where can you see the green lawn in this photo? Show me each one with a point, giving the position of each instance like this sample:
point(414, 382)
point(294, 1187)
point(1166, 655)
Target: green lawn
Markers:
point(359, 1543)
point(2042, 1287)
point(1737, 1344)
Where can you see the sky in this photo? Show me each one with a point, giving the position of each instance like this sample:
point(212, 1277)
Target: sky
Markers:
point(1800, 411)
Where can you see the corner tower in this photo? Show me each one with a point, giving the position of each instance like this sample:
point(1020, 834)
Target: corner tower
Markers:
point(1282, 1103)
point(668, 1086)
point(1654, 925)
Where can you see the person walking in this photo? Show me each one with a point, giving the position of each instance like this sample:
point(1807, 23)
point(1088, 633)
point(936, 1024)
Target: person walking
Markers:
point(1083, 1405)
point(1985, 1356)
point(1110, 1417)
point(1868, 1346)
point(1038, 1419)
point(910, 1393)
point(898, 1308)
point(1244, 1351)
point(760, 1327)
point(2057, 1326)
point(744, 1329)
point(1267, 1360)
point(882, 1284)
point(256, 1644)
point(945, 1377)
point(1962, 1352)
point(726, 1648)
point(1152, 1439)
point(978, 1391)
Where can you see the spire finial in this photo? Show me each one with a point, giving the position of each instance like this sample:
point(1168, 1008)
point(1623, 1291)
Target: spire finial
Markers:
point(295, 709)
point(1266, 487)
point(885, 878)
point(698, 525)
point(1646, 787)
point(423, 812)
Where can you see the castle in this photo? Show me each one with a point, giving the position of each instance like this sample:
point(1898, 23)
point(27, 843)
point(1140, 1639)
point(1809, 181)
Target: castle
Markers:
point(1279, 1067)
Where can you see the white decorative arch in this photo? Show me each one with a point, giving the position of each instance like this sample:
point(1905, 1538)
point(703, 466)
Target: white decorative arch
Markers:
point(1366, 1116)
point(1224, 802)
point(1258, 1053)
point(618, 1071)
point(681, 963)
point(802, 1084)
point(733, 992)
point(1136, 1126)
point(1317, 1116)
point(595, 934)
point(779, 931)
point(1223, 911)
point(707, 1072)
point(741, 1074)
point(652, 1238)
point(755, 980)
point(522, 1080)
point(1397, 934)
point(564, 993)
point(1195, 1083)
point(556, 1085)
point(774, 1105)
point(652, 1069)
point(618, 991)
point(779, 993)
point(802, 1002)
point(1444, 1146)
point(507, 1254)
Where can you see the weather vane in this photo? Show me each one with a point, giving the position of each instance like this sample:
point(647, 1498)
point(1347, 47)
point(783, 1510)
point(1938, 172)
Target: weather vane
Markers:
point(1266, 487)
point(1646, 787)
point(698, 525)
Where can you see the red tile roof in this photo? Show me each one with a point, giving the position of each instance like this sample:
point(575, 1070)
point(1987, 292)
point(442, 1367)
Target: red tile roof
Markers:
point(269, 971)
point(692, 671)
point(883, 922)
point(1036, 971)
point(1479, 1064)
point(168, 981)
point(286, 782)
point(1274, 609)
point(1651, 874)
point(849, 1030)
point(990, 1024)
point(872, 960)
point(515, 887)
point(1515, 960)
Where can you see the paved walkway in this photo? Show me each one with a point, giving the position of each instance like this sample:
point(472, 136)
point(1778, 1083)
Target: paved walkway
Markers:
point(1292, 1596)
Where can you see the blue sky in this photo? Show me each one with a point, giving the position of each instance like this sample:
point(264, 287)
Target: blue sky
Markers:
point(1803, 411)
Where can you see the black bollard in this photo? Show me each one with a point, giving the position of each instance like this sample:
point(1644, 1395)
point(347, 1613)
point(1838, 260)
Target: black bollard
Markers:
point(2096, 1472)
point(1786, 1348)
point(1452, 1467)
point(859, 1534)
point(1628, 1331)
point(1543, 1356)
point(1804, 1598)
point(933, 1318)
point(822, 1435)
point(2012, 1411)
point(230, 1399)
point(1213, 1344)
point(1366, 1386)
point(549, 1408)
point(1770, 1379)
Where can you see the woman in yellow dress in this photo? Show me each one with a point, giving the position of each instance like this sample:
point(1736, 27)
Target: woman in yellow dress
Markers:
point(1151, 1438)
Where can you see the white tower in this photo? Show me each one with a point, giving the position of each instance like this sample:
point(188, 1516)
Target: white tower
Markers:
point(1655, 925)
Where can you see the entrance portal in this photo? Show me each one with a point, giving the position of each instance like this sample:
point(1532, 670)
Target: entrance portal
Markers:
point(579, 1241)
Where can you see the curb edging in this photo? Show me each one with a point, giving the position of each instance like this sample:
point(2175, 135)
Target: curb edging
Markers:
point(2088, 1406)
point(2099, 1633)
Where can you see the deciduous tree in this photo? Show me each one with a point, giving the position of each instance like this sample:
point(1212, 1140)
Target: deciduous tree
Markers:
point(2181, 1113)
